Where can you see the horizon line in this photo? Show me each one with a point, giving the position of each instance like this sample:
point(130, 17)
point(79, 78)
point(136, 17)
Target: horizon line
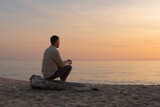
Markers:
point(19, 59)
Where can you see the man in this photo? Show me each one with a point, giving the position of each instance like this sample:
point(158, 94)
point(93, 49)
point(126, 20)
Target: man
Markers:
point(52, 65)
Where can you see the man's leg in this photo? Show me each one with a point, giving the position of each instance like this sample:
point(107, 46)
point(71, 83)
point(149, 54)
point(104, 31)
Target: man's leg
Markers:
point(62, 73)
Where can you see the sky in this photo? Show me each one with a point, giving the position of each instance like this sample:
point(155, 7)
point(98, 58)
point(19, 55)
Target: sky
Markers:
point(88, 29)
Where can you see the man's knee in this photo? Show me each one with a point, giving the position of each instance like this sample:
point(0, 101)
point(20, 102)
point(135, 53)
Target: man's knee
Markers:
point(69, 67)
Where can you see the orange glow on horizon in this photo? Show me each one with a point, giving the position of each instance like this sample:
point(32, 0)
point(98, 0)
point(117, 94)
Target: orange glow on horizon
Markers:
point(128, 30)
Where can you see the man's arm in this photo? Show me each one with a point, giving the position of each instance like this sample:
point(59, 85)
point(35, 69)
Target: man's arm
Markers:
point(58, 60)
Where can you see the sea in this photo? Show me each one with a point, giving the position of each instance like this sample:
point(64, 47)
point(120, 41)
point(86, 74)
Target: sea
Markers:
point(136, 72)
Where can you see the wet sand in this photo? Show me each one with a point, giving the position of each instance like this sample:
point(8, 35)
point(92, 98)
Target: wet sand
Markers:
point(19, 93)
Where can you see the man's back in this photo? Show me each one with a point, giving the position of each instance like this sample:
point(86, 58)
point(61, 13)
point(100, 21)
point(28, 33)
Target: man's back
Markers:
point(51, 62)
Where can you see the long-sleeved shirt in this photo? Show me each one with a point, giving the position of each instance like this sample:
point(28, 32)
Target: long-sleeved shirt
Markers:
point(51, 61)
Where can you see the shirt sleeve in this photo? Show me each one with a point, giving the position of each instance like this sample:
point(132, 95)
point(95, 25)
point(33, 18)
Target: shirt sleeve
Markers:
point(58, 60)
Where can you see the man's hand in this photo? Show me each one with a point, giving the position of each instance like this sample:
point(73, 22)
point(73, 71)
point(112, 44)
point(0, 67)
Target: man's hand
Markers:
point(70, 61)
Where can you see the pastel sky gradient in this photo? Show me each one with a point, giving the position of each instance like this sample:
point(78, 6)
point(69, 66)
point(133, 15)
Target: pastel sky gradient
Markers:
point(88, 29)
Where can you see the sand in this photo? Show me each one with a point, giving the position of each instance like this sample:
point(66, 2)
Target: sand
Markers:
point(18, 93)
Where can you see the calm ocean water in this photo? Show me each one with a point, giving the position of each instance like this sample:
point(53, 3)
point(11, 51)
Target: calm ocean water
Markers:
point(103, 72)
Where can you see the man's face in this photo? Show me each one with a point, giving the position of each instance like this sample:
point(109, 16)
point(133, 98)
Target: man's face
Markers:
point(57, 43)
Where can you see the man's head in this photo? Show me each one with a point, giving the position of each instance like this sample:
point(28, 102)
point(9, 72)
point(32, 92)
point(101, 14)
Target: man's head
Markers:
point(55, 41)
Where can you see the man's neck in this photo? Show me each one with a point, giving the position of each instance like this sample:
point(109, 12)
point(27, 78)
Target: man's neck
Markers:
point(54, 46)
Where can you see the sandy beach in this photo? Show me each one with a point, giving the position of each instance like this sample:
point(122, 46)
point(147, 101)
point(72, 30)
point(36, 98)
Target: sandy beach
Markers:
point(19, 93)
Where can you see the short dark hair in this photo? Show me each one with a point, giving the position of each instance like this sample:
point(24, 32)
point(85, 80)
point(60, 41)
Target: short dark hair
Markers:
point(54, 39)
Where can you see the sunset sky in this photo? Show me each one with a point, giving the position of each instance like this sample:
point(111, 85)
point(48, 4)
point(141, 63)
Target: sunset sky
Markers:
point(88, 29)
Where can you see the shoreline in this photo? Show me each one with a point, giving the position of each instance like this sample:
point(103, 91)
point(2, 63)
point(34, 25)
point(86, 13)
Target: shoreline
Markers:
point(19, 93)
point(92, 83)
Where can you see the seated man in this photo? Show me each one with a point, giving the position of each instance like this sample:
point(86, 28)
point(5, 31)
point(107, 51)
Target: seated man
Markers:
point(52, 65)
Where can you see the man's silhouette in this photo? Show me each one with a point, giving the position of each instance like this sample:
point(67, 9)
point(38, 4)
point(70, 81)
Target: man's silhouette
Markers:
point(52, 65)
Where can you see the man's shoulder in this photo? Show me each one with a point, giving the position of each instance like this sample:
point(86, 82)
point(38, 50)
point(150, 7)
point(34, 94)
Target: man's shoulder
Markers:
point(51, 49)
